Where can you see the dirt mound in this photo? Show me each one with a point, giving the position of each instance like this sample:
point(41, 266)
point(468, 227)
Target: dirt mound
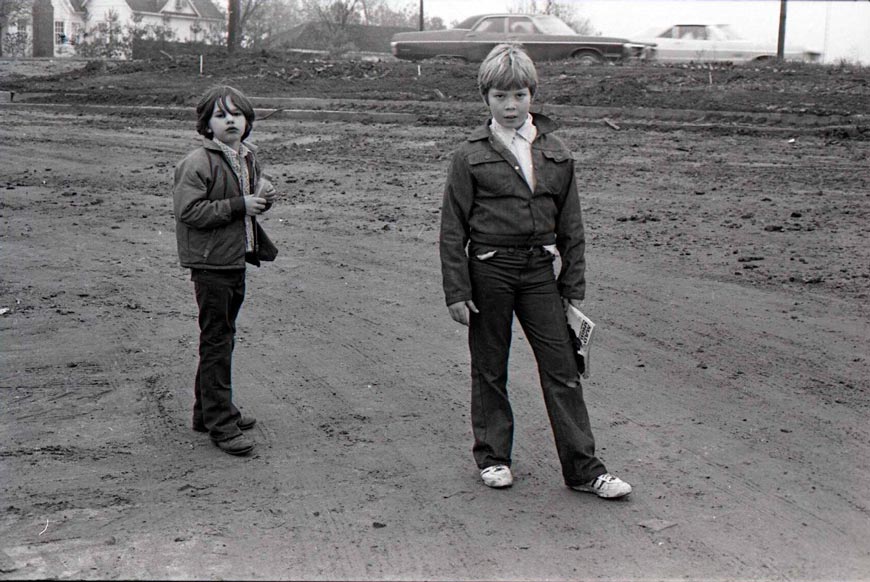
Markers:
point(793, 87)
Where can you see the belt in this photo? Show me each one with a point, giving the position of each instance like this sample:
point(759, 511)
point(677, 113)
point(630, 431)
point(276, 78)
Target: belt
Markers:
point(513, 249)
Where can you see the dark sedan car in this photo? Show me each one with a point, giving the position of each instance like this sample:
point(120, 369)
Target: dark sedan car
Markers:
point(544, 37)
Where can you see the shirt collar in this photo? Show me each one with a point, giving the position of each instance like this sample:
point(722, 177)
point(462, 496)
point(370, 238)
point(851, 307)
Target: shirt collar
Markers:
point(543, 125)
point(527, 131)
point(243, 149)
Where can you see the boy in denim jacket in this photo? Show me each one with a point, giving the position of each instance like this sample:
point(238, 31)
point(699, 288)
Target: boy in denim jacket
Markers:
point(510, 203)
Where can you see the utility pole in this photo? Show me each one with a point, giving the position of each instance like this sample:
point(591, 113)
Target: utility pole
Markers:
point(421, 15)
point(780, 43)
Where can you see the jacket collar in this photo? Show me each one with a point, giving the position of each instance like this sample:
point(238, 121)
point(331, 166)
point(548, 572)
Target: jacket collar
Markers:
point(543, 123)
point(209, 144)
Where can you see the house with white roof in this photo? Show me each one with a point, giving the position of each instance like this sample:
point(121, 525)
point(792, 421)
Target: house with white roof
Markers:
point(74, 22)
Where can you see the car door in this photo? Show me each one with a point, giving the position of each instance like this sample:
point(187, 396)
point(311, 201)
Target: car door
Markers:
point(681, 43)
point(694, 44)
point(725, 45)
point(487, 33)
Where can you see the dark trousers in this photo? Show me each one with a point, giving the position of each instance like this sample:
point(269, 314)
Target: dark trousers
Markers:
point(219, 295)
point(522, 282)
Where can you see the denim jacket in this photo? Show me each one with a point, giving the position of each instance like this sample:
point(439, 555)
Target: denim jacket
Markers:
point(210, 212)
point(487, 201)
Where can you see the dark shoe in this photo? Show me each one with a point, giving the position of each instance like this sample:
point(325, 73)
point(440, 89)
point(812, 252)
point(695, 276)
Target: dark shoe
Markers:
point(238, 445)
point(247, 422)
point(244, 423)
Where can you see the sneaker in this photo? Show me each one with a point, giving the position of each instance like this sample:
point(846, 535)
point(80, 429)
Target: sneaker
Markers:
point(238, 445)
point(497, 476)
point(606, 486)
point(244, 423)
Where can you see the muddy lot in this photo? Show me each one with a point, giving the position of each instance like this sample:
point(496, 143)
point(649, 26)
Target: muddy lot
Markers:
point(729, 274)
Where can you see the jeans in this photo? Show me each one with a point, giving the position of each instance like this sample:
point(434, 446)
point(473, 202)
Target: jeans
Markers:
point(522, 281)
point(219, 295)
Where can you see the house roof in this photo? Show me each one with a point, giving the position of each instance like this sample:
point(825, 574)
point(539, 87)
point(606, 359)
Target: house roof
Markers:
point(205, 8)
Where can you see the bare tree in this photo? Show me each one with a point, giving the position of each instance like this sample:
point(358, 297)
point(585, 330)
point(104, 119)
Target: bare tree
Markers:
point(335, 14)
point(268, 20)
point(382, 13)
point(240, 13)
point(250, 8)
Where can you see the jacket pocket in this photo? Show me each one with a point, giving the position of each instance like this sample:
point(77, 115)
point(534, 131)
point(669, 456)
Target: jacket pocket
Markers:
point(492, 174)
point(557, 156)
point(555, 173)
point(481, 252)
point(200, 242)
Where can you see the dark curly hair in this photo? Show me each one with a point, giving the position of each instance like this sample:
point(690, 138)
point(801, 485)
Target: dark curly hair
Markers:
point(219, 95)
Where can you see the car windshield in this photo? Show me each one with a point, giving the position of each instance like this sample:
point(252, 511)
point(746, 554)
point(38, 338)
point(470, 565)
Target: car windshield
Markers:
point(552, 25)
point(468, 22)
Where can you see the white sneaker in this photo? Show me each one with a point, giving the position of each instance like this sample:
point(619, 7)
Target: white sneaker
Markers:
point(497, 476)
point(606, 486)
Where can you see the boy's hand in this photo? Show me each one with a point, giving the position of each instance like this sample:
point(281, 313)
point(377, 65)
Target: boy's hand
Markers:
point(265, 189)
point(575, 302)
point(254, 205)
point(459, 311)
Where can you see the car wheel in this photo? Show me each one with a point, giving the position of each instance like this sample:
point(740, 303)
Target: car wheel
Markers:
point(587, 58)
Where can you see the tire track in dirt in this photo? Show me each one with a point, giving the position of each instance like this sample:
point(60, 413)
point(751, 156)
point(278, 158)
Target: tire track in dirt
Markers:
point(726, 445)
point(356, 374)
point(342, 364)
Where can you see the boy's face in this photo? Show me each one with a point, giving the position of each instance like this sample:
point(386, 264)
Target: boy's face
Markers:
point(228, 126)
point(509, 107)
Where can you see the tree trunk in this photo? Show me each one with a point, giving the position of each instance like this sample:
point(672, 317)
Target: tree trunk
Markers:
point(233, 29)
point(43, 28)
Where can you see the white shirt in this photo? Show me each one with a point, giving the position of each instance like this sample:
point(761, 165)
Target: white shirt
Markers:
point(519, 143)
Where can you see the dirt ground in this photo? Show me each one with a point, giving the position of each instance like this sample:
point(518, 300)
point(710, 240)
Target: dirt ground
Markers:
point(729, 275)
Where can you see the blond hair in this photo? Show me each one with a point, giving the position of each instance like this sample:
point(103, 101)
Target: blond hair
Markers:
point(507, 66)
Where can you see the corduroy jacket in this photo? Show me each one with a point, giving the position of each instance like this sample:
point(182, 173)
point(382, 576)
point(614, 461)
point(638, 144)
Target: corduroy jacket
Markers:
point(487, 201)
point(210, 212)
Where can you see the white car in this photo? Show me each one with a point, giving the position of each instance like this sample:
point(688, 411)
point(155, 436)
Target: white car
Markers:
point(684, 43)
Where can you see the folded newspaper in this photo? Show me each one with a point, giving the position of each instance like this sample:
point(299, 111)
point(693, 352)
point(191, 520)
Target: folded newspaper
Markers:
point(580, 328)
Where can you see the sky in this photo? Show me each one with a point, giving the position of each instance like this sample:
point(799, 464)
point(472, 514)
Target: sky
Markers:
point(840, 29)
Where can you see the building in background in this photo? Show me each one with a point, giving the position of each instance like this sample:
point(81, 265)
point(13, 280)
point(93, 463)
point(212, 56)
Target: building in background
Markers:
point(107, 28)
